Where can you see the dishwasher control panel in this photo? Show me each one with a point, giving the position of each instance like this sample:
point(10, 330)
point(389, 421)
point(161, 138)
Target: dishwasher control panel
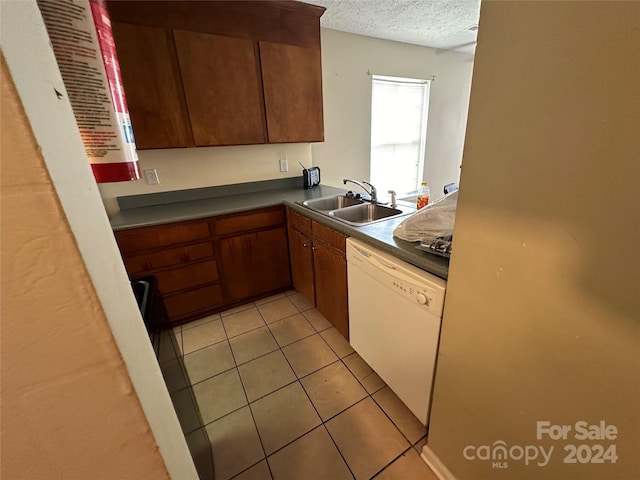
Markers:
point(421, 295)
point(411, 283)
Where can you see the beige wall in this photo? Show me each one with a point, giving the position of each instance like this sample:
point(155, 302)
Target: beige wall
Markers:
point(541, 319)
point(68, 406)
point(183, 168)
point(346, 58)
point(33, 69)
point(347, 62)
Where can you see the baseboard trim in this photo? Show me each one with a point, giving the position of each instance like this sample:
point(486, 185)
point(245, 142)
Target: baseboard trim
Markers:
point(436, 466)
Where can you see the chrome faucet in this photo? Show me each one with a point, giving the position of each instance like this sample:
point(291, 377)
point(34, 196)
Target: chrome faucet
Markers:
point(373, 193)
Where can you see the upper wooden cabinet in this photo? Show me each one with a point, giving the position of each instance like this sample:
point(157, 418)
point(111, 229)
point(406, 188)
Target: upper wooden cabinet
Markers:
point(292, 81)
point(149, 71)
point(203, 73)
point(221, 82)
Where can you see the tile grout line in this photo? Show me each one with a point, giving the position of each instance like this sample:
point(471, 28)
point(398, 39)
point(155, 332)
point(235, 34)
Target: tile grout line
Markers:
point(187, 326)
point(391, 420)
point(322, 422)
point(424, 437)
point(237, 372)
point(324, 425)
point(370, 395)
point(246, 396)
point(237, 366)
point(206, 346)
point(251, 466)
point(410, 447)
point(391, 462)
point(309, 399)
point(266, 457)
point(235, 336)
point(199, 349)
point(298, 380)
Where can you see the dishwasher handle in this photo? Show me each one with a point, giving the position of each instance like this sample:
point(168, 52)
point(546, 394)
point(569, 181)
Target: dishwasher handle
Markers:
point(383, 263)
point(369, 257)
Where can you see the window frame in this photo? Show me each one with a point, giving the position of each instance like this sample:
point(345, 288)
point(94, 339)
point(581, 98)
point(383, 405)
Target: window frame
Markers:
point(426, 83)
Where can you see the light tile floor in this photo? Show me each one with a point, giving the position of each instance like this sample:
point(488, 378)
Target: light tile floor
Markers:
point(284, 396)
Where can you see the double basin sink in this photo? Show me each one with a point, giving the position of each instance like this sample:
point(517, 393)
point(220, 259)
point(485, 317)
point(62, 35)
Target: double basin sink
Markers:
point(355, 211)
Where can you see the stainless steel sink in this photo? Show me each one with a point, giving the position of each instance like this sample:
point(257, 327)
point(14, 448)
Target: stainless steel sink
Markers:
point(366, 213)
point(334, 202)
point(355, 211)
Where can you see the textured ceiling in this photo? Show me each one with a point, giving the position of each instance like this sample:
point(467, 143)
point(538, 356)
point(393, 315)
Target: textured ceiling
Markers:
point(432, 23)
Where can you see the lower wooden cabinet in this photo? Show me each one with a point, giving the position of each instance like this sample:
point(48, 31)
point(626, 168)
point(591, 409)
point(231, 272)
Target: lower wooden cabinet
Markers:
point(255, 263)
point(206, 265)
point(167, 257)
point(192, 302)
point(319, 268)
point(300, 250)
point(148, 241)
point(192, 275)
point(331, 286)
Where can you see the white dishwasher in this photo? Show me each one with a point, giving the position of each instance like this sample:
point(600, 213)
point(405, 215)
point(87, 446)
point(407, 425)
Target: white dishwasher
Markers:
point(395, 311)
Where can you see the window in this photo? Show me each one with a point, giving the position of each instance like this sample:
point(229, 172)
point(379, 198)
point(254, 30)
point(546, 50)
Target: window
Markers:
point(398, 132)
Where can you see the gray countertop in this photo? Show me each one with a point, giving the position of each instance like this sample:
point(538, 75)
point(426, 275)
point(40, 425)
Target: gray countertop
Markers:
point(185, 205)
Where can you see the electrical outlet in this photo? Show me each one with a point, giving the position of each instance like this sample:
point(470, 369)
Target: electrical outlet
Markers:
point(151, 176)
point(284, 164)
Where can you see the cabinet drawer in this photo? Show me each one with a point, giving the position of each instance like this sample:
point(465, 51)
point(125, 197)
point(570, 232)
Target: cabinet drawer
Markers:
point(299, 222)
point(329, 236)
point(160, 236)
point(183, 304)
point(185, 277)
point(250, 221)
point(166, 258)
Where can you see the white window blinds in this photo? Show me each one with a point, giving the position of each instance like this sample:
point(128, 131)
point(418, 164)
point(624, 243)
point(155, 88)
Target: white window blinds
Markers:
point(398, 132)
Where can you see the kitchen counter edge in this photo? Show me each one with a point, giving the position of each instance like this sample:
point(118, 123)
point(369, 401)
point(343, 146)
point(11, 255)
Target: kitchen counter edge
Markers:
point(378, 235)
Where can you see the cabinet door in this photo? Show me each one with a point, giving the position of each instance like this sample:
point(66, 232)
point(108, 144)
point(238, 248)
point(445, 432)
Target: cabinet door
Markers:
point(255, 263)
point(151, 83)
point(302, 265)
point(193, 302)
point(331, 286)
point(292, 82)
point(222, 87)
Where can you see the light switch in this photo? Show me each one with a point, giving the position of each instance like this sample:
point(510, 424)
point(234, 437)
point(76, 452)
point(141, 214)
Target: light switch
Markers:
point(151, 176)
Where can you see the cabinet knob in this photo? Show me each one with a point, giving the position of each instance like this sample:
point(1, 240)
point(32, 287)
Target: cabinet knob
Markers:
point(305, 245)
